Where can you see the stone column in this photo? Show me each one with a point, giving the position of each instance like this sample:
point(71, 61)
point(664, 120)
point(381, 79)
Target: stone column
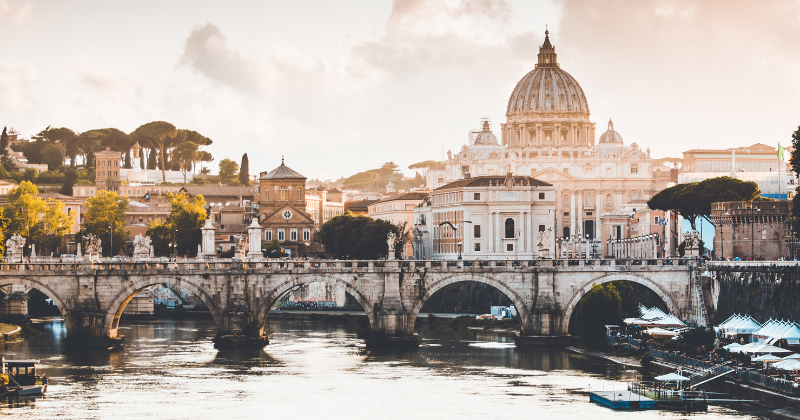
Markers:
point(597, 231)
point(254, 240)
point(579, 213)
point(209, 249)
point(572, 212)
point(490, 236)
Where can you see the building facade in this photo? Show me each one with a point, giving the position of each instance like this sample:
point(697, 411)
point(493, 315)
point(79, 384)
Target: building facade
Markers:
point(399, 211)
point(751, 230)
point(282, 211)
point(549, 135)
point(487, 217)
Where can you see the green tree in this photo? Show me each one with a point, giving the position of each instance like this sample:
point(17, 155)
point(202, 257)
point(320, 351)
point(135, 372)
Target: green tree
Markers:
point(356, 237)
point(227, 170)
point(244, 170)
point(272, 249)
point(70, 176)
point(4, 142)
point(185, 155)
point(204, 156)
point(63, 137)
point(794, 160)
point(601, 306)
point(3, 225)
point(105, 218)
point(184, 222)
point(158, 136)
point(51, 155)
point(693, 200)
point(42, 222)
point(423, 167)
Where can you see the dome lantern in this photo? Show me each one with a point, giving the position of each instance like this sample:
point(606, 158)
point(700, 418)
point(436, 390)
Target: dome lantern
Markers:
point(547, 53)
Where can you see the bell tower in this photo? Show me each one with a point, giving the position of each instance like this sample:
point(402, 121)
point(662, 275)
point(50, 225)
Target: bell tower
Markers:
point(107, 170)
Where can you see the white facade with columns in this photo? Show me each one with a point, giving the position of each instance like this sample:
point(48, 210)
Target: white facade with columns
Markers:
point(489, 218)
point(548, 135)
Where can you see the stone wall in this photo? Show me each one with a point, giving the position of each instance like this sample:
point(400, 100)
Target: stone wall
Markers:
point(761, 292)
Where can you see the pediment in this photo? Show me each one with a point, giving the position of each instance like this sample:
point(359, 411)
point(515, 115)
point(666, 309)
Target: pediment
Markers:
point(550, 174)
point(298, 216)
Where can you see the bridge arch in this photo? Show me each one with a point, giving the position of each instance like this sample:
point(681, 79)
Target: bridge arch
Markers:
point(42, 287)
point(653, 286)
point(118, 303)
point(432, 288)
point(278, 291)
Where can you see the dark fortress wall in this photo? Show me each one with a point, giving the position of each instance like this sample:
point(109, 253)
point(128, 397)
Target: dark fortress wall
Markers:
point(763, 293)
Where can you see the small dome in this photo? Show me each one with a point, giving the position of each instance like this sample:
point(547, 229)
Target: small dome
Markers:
point(611, 136)
point(485, 137)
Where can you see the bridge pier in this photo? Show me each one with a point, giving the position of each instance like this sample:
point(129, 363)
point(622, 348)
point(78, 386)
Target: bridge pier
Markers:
point(240, 329)
point(14, 307)
point(87, 330)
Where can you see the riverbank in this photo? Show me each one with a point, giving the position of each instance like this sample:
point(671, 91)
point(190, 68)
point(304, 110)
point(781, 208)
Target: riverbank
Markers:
point(622, 360)
point(10, 333)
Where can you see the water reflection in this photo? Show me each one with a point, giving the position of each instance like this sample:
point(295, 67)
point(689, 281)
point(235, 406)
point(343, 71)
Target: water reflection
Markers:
point(169, 369)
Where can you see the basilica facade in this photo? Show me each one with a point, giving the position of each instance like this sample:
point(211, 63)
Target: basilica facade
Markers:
point(548, 135)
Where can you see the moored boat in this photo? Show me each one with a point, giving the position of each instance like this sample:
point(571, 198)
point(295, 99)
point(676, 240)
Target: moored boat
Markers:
point(19, 378)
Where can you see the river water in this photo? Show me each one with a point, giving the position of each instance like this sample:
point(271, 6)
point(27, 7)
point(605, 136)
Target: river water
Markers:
point(169, 369)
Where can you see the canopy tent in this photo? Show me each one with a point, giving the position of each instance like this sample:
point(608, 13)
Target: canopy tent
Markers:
point(738, 325)
point(774, 330)
point(654, 317)
point(768, 358)
point(660, 333)
point(670, 377)
point(763, 348)
point(792, 356)
point(732, 346)
point(788, 365)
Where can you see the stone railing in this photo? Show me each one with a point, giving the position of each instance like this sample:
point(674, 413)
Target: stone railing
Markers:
point(227, 264)
point(752, 263)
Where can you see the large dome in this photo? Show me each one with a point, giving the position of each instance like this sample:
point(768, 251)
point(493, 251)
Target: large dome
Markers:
point(547, 88)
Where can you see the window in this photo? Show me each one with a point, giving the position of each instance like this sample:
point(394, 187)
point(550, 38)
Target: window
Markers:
point(91, 192)
point(541, 228)
point(588, 171)
point(476, 196)
point(566, 213)
point(422, 219)
point(509, 247)
point(608, 171)
point(283, 194)
point(299, 194)
point(138, 191)
point(266, 194)
point(566, 171)
point(566, 232)
point(281, 235)
point(129, 191)
point(656, 220)
point(634, 197)
point(440, 180)
point(541, 196)
point(509, 228)
point(634, 168)
point(588, 213)
point(268, 235)
point(293, 235)
point(306, 235)
point(476, 231)
point(566, 200)
point(478, 247)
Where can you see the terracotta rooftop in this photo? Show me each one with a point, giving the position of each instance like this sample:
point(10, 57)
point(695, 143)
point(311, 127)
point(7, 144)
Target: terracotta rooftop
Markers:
point(362, 205)
point(486, 181)
point(406, 196)
point(219, 191)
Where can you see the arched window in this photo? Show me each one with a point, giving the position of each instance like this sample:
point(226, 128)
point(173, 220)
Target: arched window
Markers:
point(634, 197)
point(299, 194)
point(609, 202)
point(283, 194)
point(566, 232)
point(589, 199)
point(509, 228)
point(566, 200)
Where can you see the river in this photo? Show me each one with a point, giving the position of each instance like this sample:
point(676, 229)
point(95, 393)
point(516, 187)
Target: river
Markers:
point(169, 369)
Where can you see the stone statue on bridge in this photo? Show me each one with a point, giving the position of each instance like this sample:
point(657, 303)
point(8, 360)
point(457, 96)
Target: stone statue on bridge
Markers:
point(93, 246)
point(14, 247)
point(391, 238)
point(141, 246)
point(544, 242)
point(241, 246)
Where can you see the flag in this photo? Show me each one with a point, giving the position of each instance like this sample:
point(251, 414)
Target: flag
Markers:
point(780, 151)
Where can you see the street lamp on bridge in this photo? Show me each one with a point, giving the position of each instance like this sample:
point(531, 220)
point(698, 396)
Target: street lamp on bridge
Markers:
point(455, 229)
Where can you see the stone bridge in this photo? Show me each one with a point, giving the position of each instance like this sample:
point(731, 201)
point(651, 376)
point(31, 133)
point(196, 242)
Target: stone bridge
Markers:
point(92, 295)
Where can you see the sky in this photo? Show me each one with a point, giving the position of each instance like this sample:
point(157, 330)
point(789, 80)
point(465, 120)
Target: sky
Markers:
point(339, 87)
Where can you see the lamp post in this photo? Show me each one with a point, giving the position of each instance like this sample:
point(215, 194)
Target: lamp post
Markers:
point(752, 233)
point(306, 248)
point(110, 239)
point(455, 229)
point(174, 245)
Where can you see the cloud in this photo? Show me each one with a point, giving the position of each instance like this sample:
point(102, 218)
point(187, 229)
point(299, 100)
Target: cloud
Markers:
point(15, 13)
point(18, 90)
point(207, 53)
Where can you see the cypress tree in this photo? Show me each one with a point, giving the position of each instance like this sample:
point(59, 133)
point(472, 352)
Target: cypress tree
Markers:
point(128, 160)
point(244, 170)
point(4, 142)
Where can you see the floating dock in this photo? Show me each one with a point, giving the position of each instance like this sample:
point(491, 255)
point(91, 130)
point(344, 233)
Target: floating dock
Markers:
point(622, 400)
